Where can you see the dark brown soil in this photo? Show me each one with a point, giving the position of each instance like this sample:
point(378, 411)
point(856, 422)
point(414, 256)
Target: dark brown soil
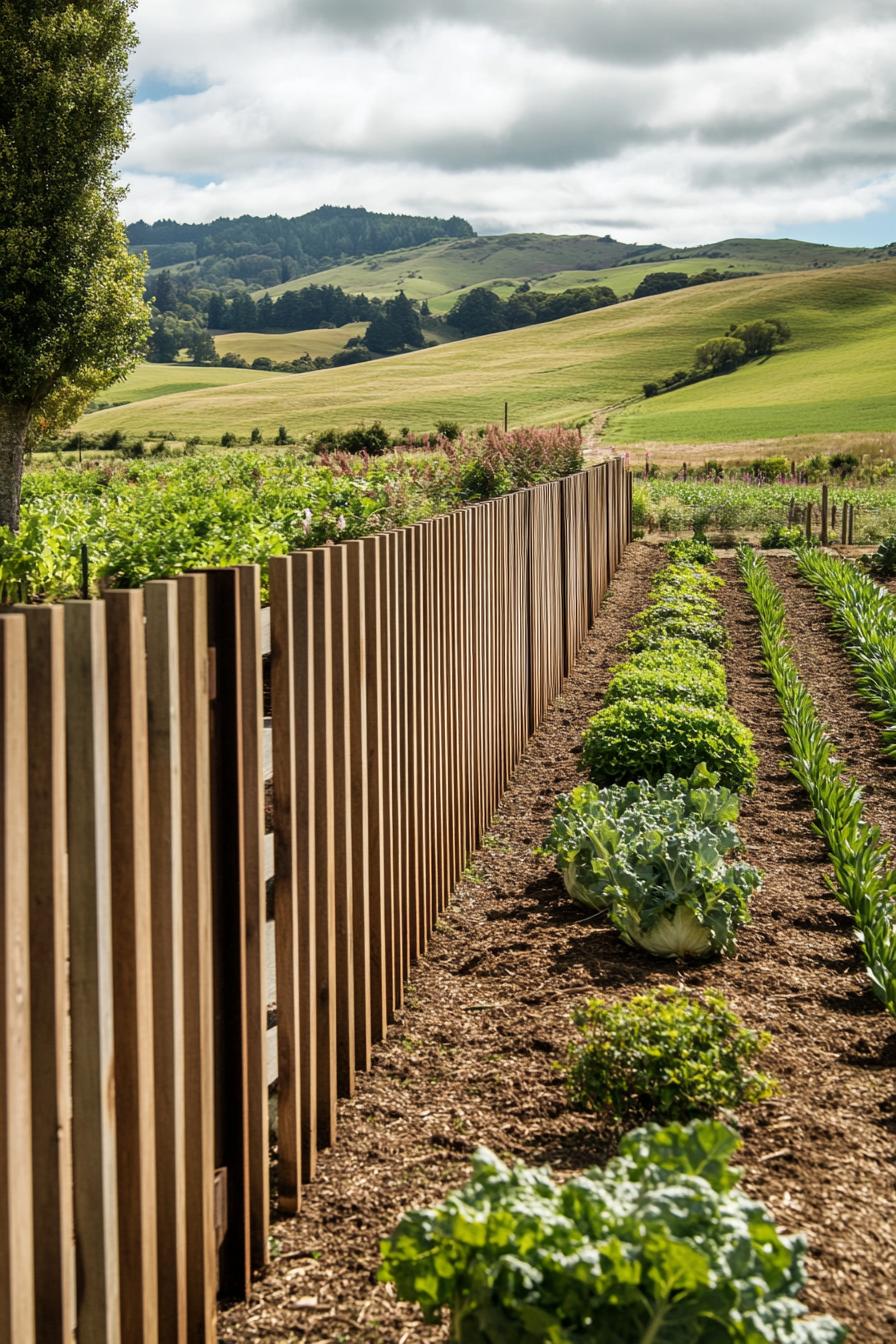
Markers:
point(472, 1056)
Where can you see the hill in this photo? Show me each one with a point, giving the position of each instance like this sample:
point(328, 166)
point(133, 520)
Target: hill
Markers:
point(284, 345)
point(441, 271)
point(843, 320)
point(161, 381)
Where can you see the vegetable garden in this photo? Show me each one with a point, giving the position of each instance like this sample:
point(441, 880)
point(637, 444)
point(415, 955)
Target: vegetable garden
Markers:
point(660, 1008)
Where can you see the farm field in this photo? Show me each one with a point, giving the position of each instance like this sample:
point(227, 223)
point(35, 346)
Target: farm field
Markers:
point(562, 372)
point(729, 506)
point(152, 381)
point(471, 1059)
point(439, 272)
point(285, 345)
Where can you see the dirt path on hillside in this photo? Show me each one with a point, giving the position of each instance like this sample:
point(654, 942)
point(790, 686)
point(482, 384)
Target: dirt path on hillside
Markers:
point(471, 1059)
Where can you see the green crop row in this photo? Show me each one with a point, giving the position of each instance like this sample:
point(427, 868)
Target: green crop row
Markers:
point(864, 880)
point(865, 615)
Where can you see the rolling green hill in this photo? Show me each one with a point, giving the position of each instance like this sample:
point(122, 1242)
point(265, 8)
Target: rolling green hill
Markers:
point(843, 352)
point(284, 345)
point(441, 271)
point(161, 381)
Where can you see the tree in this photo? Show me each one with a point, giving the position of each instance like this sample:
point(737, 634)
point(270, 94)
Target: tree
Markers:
point(395, 327)
point(164, 344)
point(72, 315)
point(720, 355)
point(478, 313)
point(760, 337)
point(217, 312)
point(660, 282)
point(201, 348)
point(165, 296)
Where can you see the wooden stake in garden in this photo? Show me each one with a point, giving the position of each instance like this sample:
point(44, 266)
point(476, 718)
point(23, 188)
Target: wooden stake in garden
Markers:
point(809, 522)
point(824, 515)
point(852, 515)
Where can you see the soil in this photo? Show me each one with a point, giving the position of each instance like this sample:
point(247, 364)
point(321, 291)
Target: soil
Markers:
point(472, 1056)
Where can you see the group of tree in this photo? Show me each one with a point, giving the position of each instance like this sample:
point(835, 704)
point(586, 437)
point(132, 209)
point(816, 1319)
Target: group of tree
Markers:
point(480, 311)
point(273, 250)
point(742, 342)
point(664, 282)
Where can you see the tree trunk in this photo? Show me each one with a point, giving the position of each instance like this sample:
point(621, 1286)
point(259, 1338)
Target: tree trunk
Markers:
point(14, 424)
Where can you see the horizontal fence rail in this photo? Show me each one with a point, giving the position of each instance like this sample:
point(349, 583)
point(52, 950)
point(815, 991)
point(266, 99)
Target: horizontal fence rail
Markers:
point(228, 834)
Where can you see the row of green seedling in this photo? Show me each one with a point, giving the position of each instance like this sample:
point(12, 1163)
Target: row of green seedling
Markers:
point(864, 614)
point(652, 839)
point(864, 880)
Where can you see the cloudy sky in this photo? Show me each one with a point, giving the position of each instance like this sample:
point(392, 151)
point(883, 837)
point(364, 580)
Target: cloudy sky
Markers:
point(679, 121)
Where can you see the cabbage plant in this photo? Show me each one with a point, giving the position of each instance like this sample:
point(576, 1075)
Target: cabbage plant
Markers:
point(661, 1246)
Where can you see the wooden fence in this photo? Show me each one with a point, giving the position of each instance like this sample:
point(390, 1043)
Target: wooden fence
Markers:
point(227, 836)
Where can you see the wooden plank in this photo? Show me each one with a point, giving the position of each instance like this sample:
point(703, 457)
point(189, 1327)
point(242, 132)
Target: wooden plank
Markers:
point(395, 707)
point(387, 621)
point(304, 856)
point(228, 929)
point(51, 1097)
point(193, 672)
point(343, 819)
point(374, 551)
point(286, 861)
point(17, 1319)
point(324, 843)
point(90, 976)
point(132, 965)
point(356, 554)
point(252, 851)
point(167, 913)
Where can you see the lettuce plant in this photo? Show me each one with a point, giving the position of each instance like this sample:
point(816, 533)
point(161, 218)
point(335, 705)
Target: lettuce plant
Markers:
point(664, 1055)
point(694, 552)
point(659, 1247)
point(646, 739)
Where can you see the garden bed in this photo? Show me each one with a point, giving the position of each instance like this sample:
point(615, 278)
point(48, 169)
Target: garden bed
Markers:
point(471, 1058)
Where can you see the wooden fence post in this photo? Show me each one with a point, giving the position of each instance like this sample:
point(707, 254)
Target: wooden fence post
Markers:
point(852, 515)
point(844, 524)
point(358, 764)
point(132, 965)
point(167, 912)
point(320, 632)
point(229, 925)
point(90, 977)
point(374, 553)
point(343, 821)
point(17, 1320)
point(51, 1095)
point(824, 515)
point(199, 1096)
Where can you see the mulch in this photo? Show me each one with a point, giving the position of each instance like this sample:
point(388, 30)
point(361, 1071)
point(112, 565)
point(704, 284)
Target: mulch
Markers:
point(472, 1058)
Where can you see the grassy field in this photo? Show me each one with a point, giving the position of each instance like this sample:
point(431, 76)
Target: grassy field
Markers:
point(844, 324)
point(158, 381)
point(284, 345)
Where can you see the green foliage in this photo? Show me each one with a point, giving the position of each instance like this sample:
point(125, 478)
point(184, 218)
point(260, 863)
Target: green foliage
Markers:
point(690, 552)
point(660, 1245)
point(882, 564)
point(739, 506)
point(646, 739)
point(864, 878)
point(675, 678)
point(664, 1055)
point(481, 312)
point(783, 536)
point(721, 354)
point(72, 316)
point(654, 855)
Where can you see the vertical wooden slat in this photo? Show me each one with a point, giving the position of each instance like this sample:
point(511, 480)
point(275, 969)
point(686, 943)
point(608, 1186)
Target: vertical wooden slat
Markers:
point(321, 630)
point(343, 819)
point(54, 1232)
point(284, 749)
point(357, 640)
point(132, 965)
point(255, 889)
point(90, 978)
point(388, 620)
point(228, 928)
point(201, 1247)
point(167, 913)
point(304, 855)
point(377, 789)
point(397, 774)
point(16, 1200)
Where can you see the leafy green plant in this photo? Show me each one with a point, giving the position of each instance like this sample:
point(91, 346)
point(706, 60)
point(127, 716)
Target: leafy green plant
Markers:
point(677, 680)
point(664, 1055)
point(645, 739)
point(864, 878)
point(882, 564)
point(694, 552)
point(658, 1247)
point(783, 536)
point(654, 855)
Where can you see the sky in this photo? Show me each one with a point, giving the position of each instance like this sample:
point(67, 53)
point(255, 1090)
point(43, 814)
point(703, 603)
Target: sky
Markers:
point(674, 121)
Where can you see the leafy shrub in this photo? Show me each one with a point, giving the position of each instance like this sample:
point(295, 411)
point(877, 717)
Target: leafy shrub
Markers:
point(680, 577)
point(645, 739)
point(657, 624)
point(256, 435)
point(448, 429)
point(690, 552)
point(228, 439)
point(678, 680)
point(782, 536)
point(660, 1245)
point(882, 564)
point(664, 1055)
point(650, 389)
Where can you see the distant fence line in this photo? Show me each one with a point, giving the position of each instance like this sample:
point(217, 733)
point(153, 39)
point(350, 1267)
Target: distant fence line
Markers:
point(165, 964)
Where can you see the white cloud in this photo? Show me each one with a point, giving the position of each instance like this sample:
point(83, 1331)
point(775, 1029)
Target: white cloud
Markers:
point(649, 120)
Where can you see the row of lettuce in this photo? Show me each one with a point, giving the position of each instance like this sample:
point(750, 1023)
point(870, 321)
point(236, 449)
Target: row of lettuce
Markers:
point(661, 1244)
point(140, 520)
